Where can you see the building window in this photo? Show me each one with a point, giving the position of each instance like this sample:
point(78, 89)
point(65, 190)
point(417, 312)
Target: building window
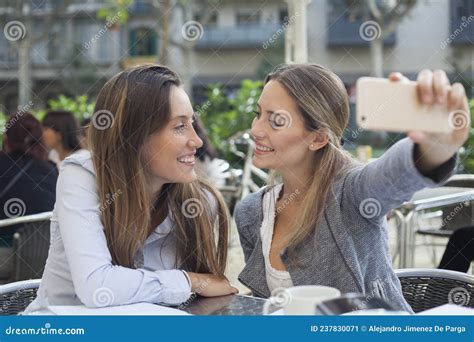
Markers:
point(283, 16)
point(54, 45)
point(143, 42)
point(462, 8)
point(247, 17)
point(211, 21)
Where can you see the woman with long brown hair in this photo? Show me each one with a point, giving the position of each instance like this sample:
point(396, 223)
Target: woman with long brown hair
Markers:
point(323, 221)
point(132, 223)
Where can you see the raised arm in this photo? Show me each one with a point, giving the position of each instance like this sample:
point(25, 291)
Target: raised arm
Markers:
point(422, 160)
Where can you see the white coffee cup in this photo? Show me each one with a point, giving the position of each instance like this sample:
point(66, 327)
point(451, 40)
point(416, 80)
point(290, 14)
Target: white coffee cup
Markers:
point(300, 300)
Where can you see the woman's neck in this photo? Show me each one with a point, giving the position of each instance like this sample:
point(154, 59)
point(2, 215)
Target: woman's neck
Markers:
point(296, 182)
point(62, 152)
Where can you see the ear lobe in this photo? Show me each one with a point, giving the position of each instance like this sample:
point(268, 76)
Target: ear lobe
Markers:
point(320, 139)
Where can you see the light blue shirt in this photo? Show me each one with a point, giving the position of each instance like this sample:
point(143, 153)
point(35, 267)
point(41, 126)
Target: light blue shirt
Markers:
point(79, 267)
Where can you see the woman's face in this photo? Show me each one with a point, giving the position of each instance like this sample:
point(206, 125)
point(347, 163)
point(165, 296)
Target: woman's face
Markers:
point(169, 155)
point(51, 138)
point(282, 142)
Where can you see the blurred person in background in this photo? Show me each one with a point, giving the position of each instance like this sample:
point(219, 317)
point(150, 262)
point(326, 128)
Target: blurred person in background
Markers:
point(61, 134)
point(27, 178)
point(459, 251)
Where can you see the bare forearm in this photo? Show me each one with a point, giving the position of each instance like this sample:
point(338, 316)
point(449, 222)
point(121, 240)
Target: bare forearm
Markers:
point(428, 158)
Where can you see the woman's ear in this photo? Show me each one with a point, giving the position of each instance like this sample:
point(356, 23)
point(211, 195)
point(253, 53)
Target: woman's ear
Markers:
point(318, 139)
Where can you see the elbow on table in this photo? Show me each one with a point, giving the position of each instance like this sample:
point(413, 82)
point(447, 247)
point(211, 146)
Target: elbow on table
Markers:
point(94, 293)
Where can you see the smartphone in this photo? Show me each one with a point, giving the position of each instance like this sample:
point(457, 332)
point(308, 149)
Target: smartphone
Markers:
point(384, 105)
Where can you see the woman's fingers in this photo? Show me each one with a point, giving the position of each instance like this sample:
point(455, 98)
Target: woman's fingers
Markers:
point(213, 285)
point(440, 86)
point(397, 77)
point(425, 86)
point(417, 136)
point(456, 97)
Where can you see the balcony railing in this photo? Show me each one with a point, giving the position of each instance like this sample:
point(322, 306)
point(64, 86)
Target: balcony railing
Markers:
point(239, 36)
point(342, 32)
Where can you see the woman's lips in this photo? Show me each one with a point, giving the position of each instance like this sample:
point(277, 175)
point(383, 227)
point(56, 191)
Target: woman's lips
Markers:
point(262, 149)
point(188, 159)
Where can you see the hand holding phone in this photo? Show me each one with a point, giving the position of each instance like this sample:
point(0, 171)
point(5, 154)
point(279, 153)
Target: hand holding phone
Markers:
point(434, 113)
point(394, 106)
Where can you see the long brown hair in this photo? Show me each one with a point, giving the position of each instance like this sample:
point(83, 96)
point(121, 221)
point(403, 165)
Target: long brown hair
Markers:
point(130, 107)
point(324, 104)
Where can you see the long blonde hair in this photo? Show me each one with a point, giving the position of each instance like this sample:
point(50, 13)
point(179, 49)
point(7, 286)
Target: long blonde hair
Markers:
point(130, 107)
point(323, 101)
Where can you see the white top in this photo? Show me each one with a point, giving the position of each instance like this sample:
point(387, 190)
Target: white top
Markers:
point(53, 155)
point(79, 267)
point(275, 278)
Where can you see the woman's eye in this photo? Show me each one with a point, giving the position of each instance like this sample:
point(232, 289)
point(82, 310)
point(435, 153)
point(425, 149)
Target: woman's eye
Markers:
point(180, 128)
point(280, 120)
point(275, 124)
point(257, 114)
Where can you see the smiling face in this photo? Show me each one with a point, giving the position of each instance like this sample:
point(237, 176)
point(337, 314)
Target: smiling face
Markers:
point(282, 142)
point(169, 154)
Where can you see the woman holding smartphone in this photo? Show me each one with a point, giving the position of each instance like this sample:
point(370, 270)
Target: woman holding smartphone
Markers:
point(131, 222)
point(323, 222)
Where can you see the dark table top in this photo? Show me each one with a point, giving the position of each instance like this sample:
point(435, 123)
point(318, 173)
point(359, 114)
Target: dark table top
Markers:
point(232, 305)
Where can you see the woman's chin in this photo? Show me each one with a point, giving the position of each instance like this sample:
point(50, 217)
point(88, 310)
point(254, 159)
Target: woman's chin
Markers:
point(188, 178)
point(261, 164)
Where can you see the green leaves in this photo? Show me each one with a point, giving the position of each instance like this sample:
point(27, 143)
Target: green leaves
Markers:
point(224, 115)
point(80, 106)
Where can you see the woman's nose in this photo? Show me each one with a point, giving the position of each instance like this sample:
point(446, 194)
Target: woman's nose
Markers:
point(257, 130)
point(195, 141)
